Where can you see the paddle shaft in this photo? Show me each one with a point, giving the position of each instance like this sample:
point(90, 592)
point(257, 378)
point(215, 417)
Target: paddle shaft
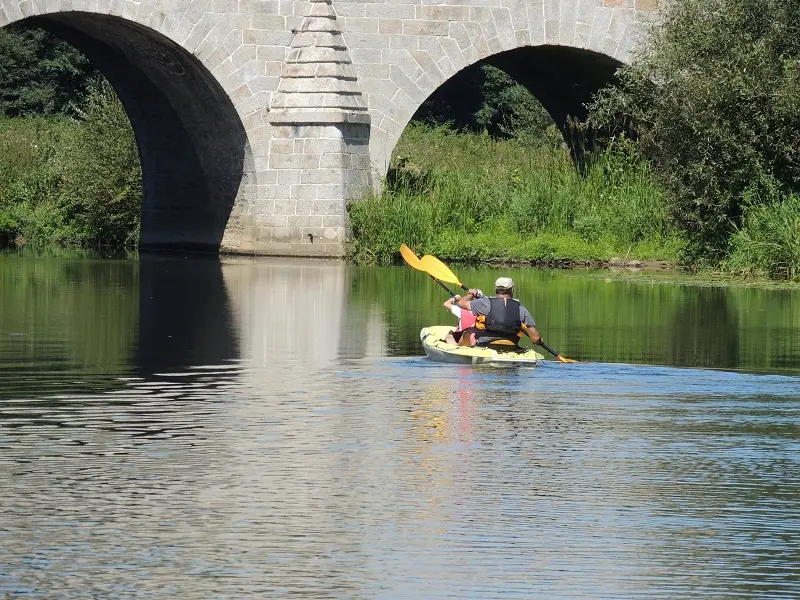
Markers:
point(446, 289)
point(550, 350)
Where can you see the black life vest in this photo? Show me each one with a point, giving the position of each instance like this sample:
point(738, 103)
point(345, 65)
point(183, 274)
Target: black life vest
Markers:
point(503, 321)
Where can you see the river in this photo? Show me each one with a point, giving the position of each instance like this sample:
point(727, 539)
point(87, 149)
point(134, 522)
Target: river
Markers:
point(180, 427)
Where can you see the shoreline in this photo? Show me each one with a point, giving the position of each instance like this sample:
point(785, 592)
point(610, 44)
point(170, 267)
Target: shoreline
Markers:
point(633, 265)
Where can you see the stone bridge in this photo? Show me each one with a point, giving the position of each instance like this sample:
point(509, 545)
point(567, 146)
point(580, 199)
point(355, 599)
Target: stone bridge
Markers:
point(258, 120)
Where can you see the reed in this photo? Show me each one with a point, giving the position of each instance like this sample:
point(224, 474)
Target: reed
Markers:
point(768, 243)
point(466, 196)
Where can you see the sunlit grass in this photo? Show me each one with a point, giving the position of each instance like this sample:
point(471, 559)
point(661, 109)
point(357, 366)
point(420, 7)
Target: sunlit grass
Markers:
point(465, 196)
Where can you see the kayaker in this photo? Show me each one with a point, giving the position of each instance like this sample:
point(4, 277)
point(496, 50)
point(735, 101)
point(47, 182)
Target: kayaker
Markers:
point(466, 320)
point(500, 318)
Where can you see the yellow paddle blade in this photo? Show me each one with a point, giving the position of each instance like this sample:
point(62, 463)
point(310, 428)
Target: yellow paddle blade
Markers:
point(439, 270)
point(411, 258)
point(566, 360)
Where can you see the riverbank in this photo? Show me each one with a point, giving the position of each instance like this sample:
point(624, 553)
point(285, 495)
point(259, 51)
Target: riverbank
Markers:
point(468, 197)
point(474, 199)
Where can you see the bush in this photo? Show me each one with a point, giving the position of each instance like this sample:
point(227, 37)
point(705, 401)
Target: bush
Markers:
point(71, 182)
point(713, 102)
point(102, 174)
point(769, 241)
point(485, 99)
point(481, 198)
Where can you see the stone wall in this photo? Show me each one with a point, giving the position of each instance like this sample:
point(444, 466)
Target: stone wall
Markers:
point(281, 111)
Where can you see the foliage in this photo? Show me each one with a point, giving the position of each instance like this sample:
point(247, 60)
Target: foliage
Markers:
point(492, 199)
point(713, 103)
point(40, 74)
point(71, 181)
point(484, 99)
point(769, 241)
point(103, 176)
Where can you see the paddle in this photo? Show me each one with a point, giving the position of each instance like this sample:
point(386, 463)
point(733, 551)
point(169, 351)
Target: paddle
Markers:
point(440, 271)
point(415, 263)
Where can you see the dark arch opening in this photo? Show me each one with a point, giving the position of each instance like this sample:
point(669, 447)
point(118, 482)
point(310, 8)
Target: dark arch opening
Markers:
point(193, 146)
point(562, 79)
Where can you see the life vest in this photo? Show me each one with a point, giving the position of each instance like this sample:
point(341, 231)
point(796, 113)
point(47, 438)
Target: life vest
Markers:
point(504, 321)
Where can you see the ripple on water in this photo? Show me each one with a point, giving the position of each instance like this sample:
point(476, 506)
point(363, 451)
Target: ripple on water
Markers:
point(402, 478)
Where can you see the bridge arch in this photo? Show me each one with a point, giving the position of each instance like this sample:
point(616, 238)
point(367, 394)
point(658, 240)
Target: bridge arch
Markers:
point(561, 50)
point(189, 122)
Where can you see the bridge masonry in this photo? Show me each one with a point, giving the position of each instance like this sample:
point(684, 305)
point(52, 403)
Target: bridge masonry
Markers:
point(308, 96)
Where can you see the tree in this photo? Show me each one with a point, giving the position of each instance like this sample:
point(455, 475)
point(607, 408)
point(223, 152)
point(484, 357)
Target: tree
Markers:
point(714, 102)
point(40, 74)
point(482, 98)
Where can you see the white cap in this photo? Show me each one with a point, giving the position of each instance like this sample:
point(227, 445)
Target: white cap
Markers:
point(504, 282)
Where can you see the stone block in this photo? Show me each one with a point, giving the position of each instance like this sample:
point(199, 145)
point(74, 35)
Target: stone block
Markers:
point(305, 221)
point(390, 10)
point(328, 207)
point(288, 176)
point(285, 207)
point(269, 7)
point(325, 176)
point(332, 161)
point(361, 25)
point(304, 191)
point(330, 192)
point(600, 25)
point(425, 27)
point(337, 221)
point(388, 26)
point(268, 22)
point(265, 221)
point(443, 13)
point(303, 207)
point(619, 21)
point(536, 21)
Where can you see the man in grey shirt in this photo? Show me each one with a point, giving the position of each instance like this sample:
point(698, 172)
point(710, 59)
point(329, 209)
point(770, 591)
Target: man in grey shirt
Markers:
point(503, 317)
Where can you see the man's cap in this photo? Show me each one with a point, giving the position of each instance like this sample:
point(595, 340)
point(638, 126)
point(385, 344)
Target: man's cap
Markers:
point(504, 282)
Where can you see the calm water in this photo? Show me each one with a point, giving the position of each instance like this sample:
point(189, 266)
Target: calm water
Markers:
point(197, 428)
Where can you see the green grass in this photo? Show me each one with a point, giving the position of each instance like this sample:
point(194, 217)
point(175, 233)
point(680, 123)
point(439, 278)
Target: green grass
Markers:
point(470, 197)
point(71, 182)
point(768, 243)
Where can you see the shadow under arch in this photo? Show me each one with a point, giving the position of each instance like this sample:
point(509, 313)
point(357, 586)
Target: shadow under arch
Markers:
point(563, 79)
point(193, 146)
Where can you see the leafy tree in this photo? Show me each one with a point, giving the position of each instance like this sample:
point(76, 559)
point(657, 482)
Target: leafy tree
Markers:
point(40, 74)
point(713, 102)
point(483, 98)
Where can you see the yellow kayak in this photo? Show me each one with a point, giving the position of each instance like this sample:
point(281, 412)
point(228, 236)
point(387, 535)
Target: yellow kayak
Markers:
point(439, 350)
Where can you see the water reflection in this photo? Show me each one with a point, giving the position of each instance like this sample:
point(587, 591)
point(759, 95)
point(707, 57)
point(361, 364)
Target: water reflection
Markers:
point(288, 439)
point(185, 316)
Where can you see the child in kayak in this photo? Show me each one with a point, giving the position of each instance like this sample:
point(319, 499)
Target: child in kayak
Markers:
point(466, 320)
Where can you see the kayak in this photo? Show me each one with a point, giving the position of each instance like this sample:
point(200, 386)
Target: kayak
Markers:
point(433, 341)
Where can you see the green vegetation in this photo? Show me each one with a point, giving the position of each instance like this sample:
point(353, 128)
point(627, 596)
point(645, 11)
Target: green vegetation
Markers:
point(484, 99)
point(41, 75)
point(713, 101)
point(69, 165)
point(484, 199)
point(71, 181)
